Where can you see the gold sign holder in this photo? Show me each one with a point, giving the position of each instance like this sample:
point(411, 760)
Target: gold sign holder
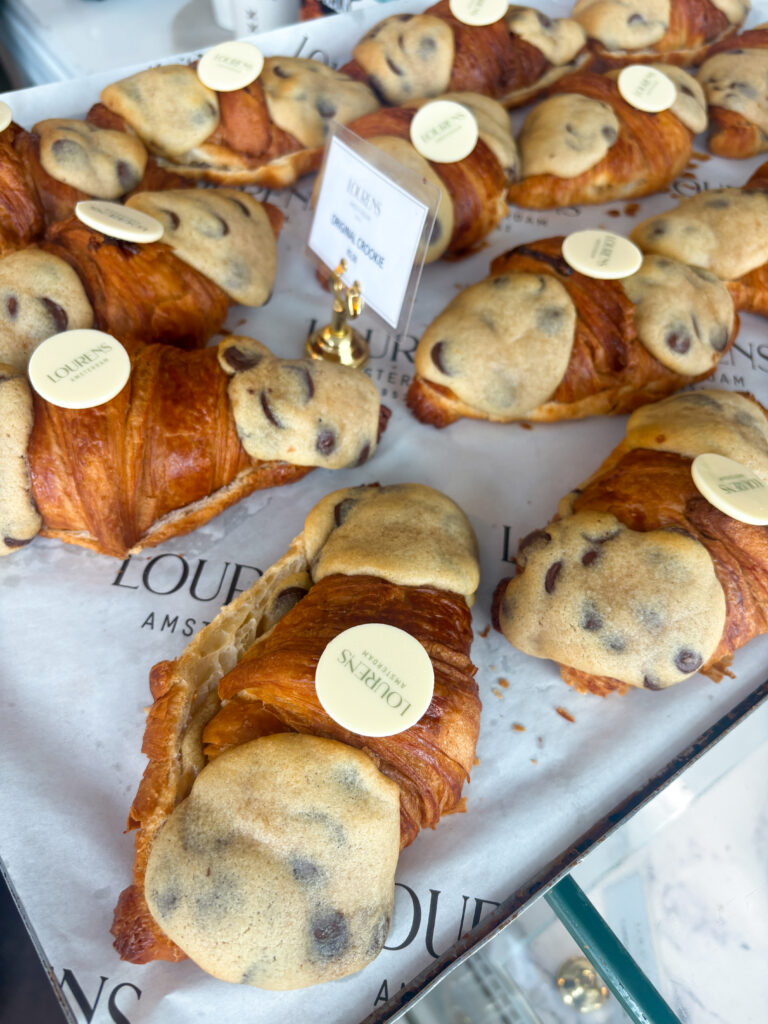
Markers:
point(337, 341)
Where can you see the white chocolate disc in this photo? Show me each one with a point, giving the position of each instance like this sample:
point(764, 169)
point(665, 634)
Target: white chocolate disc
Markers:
point(646, 88)
point(444, 131)
point(119, 221)
point(79, 369)
point(601, 254)
point(732, 488)
point(478, 12)
point(5, 116)
point(230, 66)
point(375, 679)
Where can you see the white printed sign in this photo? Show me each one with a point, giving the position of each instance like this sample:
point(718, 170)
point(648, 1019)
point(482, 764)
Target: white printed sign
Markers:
point(368, 219)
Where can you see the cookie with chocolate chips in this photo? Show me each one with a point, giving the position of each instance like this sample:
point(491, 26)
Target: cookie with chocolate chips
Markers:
point(645, 608)
point(502, 346)
point(407, 57)
point(724, 230)
point(307, 412)
point(101, 162)
point(566, 135)
point(224, 233)
point(684, 315)
point(737, 81)
point(19, 519)
point(278, 869)
point(40, 295)
point(168, 107)
point(304, 96)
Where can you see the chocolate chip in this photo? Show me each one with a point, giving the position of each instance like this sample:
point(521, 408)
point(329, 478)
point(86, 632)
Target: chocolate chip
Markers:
point(216, 229)
point(657, 229)
point(679, 340)
point(591, 619)
point(534, 537)
point(240, 360)
point(501, 280)
point(326, 441)
point(590, 556)
point(172, 217)
point(685, 89)
point(717, 204)
point(306, 380)
point(330, 934)
point(616, 643)
point(56, 312)
point(268, 411)
point(241, 205)
point(437, 354)
point(280, 72)
point(166, 900)
point(325, 107)
point(650, 683)
point(551, 578)
point(342, 510)
point(718, 338)
point(365, 454)
point(126, 175)
point(544, 21)
point(378, 935)
point(305, 871)
point(16, 542)
point(426, 47)
point(68, 151)
point(650, 619)
point(687, 660)
point(394, 68)
point(549, 319)
point(609, 133)
point(12, 305)
point(635, 19)
point(287, 599)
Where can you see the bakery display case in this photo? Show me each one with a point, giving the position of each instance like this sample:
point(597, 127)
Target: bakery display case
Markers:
point(560, 774)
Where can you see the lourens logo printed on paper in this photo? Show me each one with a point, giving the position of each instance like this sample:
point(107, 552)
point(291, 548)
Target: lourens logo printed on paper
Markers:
point(375, 679)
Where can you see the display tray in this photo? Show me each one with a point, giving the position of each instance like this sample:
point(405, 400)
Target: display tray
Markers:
point(555, 771)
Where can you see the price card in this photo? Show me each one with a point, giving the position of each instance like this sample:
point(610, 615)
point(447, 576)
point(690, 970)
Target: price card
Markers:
point(378, 215)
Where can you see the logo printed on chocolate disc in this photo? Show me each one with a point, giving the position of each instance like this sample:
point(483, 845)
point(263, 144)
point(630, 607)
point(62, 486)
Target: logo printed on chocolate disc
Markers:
point(375, 679)
point(119, 221)
point(230, 66)
point(6, 116)
point(478, 12)
point(734, 489)
point(79, 369)
point(444, 131)
point(601, 254)
point(646, 88)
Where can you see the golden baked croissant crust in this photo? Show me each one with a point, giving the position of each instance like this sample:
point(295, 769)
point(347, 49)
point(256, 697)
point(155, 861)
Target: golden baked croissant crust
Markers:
point(21, 214)
point(609, 369)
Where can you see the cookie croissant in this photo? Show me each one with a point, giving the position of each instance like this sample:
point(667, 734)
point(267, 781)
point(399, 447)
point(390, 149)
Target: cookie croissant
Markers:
point(190, 434)
point(245, 688)
point(639, 580)
point(536, 340)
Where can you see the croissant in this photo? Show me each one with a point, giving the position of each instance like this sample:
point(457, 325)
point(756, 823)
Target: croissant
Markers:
point(269, 133)
point(678, 32)
point(585, 144)
point(472, 190)
point(244, 689)
point(539, 341)
point(735, 80)
point(411, 56)
point(21, 214)
point(189, 435)
point(639, 580)
point(723, 230)
point(219, 247)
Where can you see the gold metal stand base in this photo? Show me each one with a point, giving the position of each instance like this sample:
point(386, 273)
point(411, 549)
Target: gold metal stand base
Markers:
point(350, 348)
